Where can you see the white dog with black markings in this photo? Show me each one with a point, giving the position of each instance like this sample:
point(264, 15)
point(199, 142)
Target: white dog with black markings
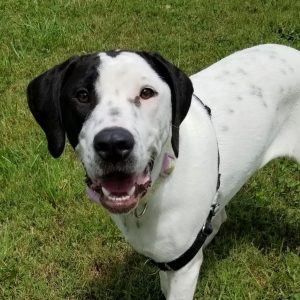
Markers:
point(153, 151)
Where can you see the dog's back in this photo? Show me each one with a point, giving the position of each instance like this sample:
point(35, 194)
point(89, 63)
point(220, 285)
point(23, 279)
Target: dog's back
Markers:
point(254, 95)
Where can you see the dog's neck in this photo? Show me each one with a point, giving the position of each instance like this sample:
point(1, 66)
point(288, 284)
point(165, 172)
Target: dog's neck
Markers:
point(167, 166)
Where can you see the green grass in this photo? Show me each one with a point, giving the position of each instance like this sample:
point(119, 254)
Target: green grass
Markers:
point(54, 244)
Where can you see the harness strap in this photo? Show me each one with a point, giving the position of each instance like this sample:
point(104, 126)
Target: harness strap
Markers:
point(205, 231)
point(188, 255)
point(205, 106)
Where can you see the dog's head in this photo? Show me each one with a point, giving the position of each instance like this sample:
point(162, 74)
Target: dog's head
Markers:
point(120, 110)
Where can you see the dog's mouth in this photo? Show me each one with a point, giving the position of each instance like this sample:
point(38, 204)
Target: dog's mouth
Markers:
point(120, 192)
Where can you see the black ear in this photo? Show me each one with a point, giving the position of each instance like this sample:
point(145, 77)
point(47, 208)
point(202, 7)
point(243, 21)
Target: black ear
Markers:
point(43, 94)
point(181, 91)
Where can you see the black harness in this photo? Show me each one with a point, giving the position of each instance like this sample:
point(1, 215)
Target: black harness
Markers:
point(205, 231)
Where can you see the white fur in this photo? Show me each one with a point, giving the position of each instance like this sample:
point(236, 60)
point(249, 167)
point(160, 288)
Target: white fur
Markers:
point(254, 96)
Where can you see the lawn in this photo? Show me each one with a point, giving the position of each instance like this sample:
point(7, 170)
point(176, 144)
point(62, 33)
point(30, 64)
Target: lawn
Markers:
point(55, 244)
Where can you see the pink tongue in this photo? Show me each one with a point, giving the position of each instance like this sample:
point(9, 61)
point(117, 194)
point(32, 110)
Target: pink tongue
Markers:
point(117, 184)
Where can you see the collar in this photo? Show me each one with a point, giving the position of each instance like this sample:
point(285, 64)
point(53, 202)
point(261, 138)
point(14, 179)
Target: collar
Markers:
point(204, 232)
point(168, 165)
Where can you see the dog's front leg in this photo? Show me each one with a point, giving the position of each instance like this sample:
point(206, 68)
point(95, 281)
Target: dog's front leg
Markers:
point(181, 284)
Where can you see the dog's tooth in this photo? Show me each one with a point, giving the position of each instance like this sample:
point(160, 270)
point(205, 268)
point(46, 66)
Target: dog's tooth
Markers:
point(132, 190)
point(105, 192)
point(118, 198)
point(111, 197)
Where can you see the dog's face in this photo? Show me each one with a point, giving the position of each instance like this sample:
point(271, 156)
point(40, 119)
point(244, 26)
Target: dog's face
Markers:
point(120, 110)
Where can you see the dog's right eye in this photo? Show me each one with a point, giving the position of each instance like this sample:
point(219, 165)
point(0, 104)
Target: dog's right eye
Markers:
point(82, 96)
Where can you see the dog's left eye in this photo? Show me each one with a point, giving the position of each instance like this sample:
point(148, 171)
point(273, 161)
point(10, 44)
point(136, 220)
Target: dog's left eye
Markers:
point(147, 93)
point(82, 96)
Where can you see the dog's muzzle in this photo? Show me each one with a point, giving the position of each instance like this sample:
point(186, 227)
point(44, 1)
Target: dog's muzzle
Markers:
point(118, 189)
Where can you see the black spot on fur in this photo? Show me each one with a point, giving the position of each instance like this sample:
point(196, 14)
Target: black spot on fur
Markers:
point(256, 91)
point(291, 69)
point(242, 71)
point(114, 111)
point(135, 115)
point(135, 100)
point(281, 90)
point(225, 128)
point(283, 72)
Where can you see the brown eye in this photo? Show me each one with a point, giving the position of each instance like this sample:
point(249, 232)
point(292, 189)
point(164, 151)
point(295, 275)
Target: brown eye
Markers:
point(147, 93)
point(82, 96)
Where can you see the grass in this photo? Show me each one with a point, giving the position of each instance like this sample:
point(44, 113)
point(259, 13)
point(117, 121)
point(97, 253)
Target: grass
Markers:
point(54, 244)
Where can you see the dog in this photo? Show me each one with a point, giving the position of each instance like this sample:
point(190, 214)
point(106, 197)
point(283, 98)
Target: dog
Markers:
point(163, 152)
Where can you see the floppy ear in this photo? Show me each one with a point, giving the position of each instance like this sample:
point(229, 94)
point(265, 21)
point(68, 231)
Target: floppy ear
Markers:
point(43, 95)
point(181, 91)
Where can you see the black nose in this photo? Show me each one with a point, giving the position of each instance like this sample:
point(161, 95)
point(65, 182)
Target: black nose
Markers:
point(114, 144)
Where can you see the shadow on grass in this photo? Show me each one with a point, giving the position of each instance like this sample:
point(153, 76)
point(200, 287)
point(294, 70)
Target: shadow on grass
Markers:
point(267, 228)
point(129, 278)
